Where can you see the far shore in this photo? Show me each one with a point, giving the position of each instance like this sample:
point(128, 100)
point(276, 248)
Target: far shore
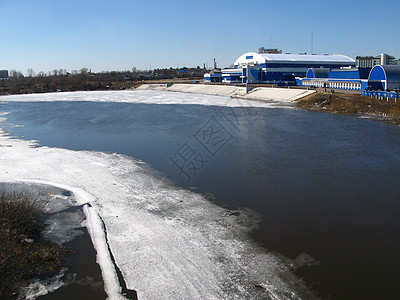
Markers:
point(353, 105)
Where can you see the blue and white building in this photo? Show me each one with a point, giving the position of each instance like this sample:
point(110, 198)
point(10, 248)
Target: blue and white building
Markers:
point(347, 78)
point(278, 68)
point(311, 70)
point(293, 64)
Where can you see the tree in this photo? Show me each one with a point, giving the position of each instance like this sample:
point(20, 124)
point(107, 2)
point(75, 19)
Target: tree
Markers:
point(16, 74)
point(84, 71)
point(31, 72)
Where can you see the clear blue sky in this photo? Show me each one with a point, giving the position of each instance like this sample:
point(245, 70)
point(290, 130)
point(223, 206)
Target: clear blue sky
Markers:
point(118, 35)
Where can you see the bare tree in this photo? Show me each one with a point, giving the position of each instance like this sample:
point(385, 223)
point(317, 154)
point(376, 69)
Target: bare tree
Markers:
point(31, 72)
point(84, 71)
point(15, 74)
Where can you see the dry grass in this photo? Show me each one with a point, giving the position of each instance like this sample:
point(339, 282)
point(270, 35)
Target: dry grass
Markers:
point(20, 215)
point(23, 255)
point(352, 105)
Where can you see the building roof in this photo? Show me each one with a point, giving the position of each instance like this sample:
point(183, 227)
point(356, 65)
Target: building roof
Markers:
point(318, 73)
point(262, 58)
point(385, 72)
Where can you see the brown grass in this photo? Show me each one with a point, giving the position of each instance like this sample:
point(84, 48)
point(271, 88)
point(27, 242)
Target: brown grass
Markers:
point(23, 254)
point(352, 105)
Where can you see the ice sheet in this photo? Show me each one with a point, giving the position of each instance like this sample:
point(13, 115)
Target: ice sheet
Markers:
point(143, 96)
point(168, 242)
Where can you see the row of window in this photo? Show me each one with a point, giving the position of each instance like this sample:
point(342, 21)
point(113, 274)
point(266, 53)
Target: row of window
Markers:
point(333, 84)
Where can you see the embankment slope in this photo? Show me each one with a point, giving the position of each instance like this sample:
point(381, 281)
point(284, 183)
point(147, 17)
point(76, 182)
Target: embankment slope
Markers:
point(263, 93)
point(355, 105)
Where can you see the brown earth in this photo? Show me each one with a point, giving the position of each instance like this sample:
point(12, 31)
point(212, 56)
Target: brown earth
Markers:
point(355, 105)
point(23, 253)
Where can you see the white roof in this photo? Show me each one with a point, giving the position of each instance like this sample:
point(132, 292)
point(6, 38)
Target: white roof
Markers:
point(262, 58)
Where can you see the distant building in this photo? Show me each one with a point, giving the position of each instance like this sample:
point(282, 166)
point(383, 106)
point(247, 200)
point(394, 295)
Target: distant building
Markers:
point(387, 59)
point(263, 50)
point(4, 74)
point(293, 64)
point(273, 67)
point(371, 61)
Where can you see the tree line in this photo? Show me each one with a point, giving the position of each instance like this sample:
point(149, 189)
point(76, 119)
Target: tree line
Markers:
point(84, 80)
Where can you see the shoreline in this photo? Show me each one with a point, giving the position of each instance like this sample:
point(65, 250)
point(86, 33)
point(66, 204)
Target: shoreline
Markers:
point(352, 105)
point(279, 94)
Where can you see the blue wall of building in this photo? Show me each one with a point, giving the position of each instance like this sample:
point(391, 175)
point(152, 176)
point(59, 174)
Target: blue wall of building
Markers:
point(344, 74)
point(377, 73)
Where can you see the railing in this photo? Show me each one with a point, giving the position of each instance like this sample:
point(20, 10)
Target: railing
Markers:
point(382, 95)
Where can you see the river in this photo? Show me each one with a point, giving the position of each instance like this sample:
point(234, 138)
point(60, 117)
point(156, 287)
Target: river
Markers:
point(326, 186)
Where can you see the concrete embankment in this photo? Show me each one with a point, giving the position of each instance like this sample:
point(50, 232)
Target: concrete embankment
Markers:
point(264, 93)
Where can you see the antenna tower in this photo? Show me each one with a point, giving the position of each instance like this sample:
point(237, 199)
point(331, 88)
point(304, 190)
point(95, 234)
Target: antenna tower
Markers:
point(312, 41)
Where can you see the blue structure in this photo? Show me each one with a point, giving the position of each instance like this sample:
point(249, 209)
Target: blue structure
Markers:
point(345, 78)
point(381, 94)
point(232, 77)
point(384, 77)
point(251, 74)
point(213, 77)
point(379, 78)
point(318, 73)
point(293, 64)
point(277, 68)
point(349, 73)
point(326, 71)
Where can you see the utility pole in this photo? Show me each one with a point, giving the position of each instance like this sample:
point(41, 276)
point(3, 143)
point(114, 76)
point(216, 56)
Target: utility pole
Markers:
point(312, 41)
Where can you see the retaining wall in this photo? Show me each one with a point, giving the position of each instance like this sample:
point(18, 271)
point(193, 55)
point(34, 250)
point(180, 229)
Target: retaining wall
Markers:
point(264, 93)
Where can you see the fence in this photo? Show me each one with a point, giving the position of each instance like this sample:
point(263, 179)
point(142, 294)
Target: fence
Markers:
point(381, 95)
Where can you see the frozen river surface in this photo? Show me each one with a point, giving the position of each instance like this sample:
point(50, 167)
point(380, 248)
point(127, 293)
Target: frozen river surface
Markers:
point(317, 189)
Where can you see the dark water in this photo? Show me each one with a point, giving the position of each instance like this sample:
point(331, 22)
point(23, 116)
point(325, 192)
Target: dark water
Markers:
point(83, 279)
point(81, 275)
point(326, 185)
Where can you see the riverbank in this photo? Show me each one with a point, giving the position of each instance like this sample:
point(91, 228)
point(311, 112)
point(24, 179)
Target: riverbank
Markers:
point(254, 93)
point(24, 254)
point(354, 105)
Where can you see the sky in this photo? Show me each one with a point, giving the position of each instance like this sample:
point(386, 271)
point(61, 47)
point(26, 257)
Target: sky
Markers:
point(118, 35)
